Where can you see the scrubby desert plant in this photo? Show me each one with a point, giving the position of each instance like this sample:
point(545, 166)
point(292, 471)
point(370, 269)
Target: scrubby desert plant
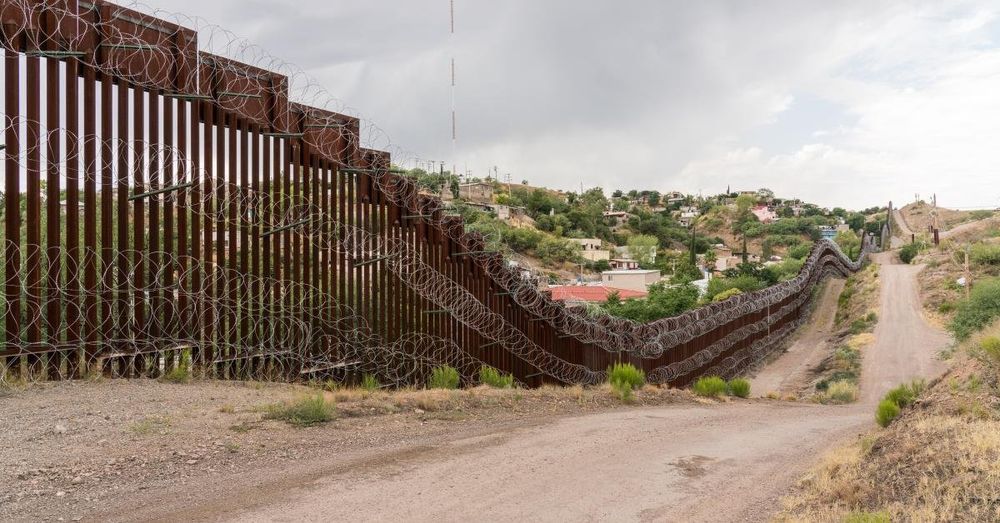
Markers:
point(840, 392)
point(985, 254)
point(905, 394)
point(370, 383)
point(886, 411)
point(909, 252)
point(982, 307)
point(624, 378)
point(309, 410)
point(178, 374)
point(709, 387)
point(739, 387)
point(494, 378)
point(989, 351)
point(444, 377)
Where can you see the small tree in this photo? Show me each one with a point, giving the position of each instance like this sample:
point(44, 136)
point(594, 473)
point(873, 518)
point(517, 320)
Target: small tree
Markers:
point(642, 248)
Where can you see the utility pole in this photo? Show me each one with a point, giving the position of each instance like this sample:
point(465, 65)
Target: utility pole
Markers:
point(934, 214)
point(694, 257)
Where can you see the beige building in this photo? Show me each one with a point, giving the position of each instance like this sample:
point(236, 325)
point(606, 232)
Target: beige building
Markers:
point(481, 192)
point(635, 280)
point(590, 249)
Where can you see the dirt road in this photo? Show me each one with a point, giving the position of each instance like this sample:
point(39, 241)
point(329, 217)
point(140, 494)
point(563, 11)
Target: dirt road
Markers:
point(681, 463)
point(790, 371)
point(906, 346)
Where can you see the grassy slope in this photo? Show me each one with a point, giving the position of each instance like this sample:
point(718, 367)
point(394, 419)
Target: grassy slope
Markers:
point(940, 461)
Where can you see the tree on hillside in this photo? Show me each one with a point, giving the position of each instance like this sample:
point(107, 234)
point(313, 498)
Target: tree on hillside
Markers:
point(744, 202)
point(849, 243)
point(642, 248)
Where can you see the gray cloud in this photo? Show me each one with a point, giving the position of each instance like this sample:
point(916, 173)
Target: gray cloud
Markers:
point(653, 94)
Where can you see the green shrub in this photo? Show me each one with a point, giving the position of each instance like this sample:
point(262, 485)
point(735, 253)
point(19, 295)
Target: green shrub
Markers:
point(310, 410)
point(800, 252)
point(739, 387)
point(905, 394)
point(840, 392)
point(370, 383)
point(982, 307)
point(709, 386)
point(909, 252)
point(726, 294)
point(494, 378)
point(980, 214)
point(624, 378)
point(946, 307)
point(985, 254)
point(444, 377)
point(886, 412)
point(179, 374)
point(989, 350)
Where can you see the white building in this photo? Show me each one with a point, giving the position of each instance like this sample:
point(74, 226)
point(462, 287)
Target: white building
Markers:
point(590, 249)
point(635, 279)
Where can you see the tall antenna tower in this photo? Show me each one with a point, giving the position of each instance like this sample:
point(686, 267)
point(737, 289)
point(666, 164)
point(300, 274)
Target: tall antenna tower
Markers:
point(454, 126)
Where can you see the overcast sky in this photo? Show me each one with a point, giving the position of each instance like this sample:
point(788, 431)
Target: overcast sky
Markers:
point(840, 103)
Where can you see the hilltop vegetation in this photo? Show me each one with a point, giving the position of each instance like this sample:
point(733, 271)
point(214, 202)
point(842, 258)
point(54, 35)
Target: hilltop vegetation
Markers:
point(679, 235)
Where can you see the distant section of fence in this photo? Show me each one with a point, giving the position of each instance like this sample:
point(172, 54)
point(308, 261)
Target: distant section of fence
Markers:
point(166, 207)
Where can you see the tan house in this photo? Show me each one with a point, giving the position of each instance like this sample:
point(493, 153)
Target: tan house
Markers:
point(623, 264)
point(590, 249)
point(635, 280)
point(481, 192)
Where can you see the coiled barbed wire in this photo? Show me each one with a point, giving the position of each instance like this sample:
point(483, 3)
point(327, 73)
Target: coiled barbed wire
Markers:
point(306, 337)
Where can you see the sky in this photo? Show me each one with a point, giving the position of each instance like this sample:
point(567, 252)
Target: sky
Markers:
point(848, 103)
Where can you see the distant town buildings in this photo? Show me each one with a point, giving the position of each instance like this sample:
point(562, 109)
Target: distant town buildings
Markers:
point(635, 279)
point(590, 249)
point(480, 192)
point(764, 213)
point(623, 264)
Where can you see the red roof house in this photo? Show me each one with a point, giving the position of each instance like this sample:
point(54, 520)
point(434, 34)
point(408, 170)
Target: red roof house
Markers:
point(591, 294)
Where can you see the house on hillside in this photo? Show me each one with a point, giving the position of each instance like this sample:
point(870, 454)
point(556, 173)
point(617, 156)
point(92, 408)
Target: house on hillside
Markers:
point(636, 279)
point(827, 232)
point(673, 197)
point(687, 215)
point(764, 213)
point(577, 294)
point(480, 192)
point(590, 249)
point(616, 220)
point(623, 264)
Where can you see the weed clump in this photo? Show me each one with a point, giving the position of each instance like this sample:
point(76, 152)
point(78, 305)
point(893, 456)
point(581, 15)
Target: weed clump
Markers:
point(444, 377)
point(494, 378)
point(370, 383)
point(739, 387)
point(910, 251)
point(624, 378)
point(309, 410)
point(178, 374)
point(839, 392)
point(896, 399)
point(906, 394)
point(982, 307)
point(710, 387)
point(886, 411)
point(989, 351)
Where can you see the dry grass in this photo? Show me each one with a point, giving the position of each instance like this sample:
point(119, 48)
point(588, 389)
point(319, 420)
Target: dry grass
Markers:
point(928, 468)
point(939, 461)
point(360, 402)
